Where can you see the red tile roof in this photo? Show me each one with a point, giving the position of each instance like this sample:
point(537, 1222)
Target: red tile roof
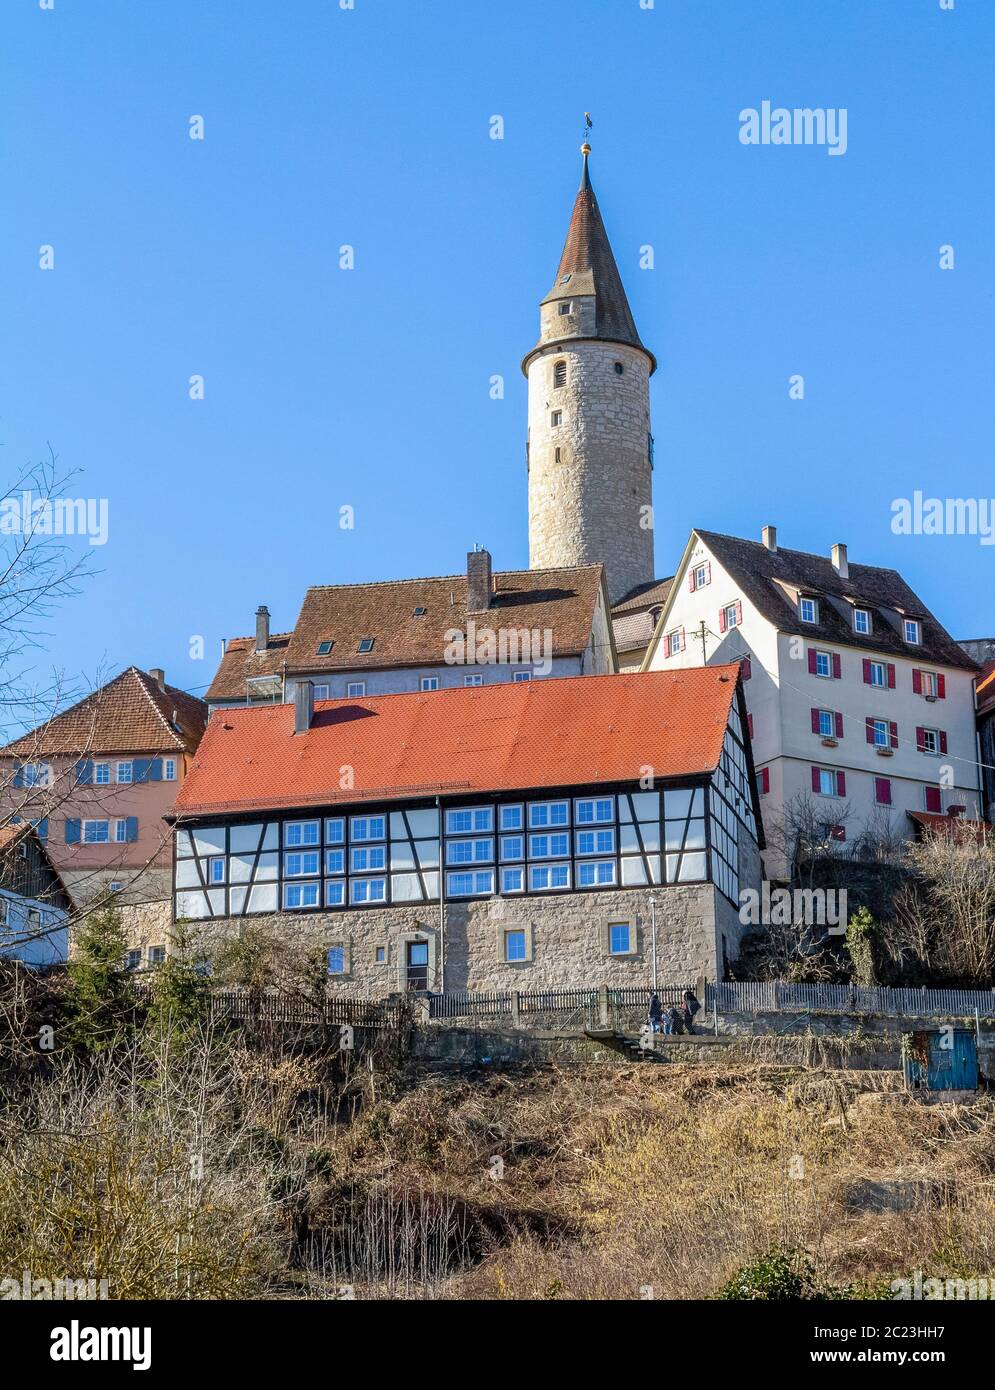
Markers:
point(562, 600)
point(986, 688)
point(130, 714)
point(954, 827)
point(556, 732)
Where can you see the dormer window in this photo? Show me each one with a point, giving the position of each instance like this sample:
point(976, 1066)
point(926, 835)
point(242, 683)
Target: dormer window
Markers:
point(808, 609)
point(366, 644)
point(324, 648)
point(559, 374)
point(862, 621)
point(913, 631)
point(565, 307)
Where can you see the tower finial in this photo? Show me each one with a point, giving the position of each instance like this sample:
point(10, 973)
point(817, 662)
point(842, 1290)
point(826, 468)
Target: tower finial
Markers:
point(585, 149)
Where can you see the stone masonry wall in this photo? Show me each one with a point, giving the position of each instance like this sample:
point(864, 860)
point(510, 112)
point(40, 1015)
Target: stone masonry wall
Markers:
point(566, 938)
point(588, 507)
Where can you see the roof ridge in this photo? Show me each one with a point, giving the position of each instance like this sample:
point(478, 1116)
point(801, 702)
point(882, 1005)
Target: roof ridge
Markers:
point(431, 578)
point(806, 554)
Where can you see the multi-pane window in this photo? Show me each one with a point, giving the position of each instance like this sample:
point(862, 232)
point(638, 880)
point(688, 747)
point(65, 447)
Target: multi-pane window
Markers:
point(334, 862)
point(543, 877)
point(542, 813)
point(335, 893)
point(335, 830)
point(879, 732)
point(555, 846)
point(598, 873)
point(879, 674)
point(824, 664)
point(121, 832)
point(169, 770)
point(299, 865)
point(469, 851)
point(96, 832)
point(618, 938)
point(102, 774)
point(514, 945)
point(476, 884)
point(731, 613)
point(336, 960)
point(929, 684)
point(512, 880)
point(674, 641)
point(808, 610)
point(467, 820)
point(930, 740)
point(522, 676)
point(321, 692)
point(512, 847)
point(126, 772)
point(474, 678)
point(355, 689)
point(297, 895)
point(912, 631)
point(429, 683)
point(591, 810)
point(827, 723)
point(302, 832)
point(827, 781)
point(595, 841)
point(216, 869)
point(368, 890)
point(701, 576)
point(862, 621)
point(512, 817)
point(367, 827)
point(365, 859)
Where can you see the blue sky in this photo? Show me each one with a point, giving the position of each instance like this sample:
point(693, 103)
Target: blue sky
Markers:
point(369, 388)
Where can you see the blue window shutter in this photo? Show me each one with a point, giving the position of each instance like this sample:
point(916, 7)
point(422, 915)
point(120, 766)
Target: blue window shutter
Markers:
point(84, 772)
point(42, 829)
point(132, 829)
point(18, 776)
point(73, 832)
point(155, 770)
point(142, 767)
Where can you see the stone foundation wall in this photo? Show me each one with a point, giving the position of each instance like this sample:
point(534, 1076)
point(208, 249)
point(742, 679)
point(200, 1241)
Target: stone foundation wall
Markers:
point(566, 939)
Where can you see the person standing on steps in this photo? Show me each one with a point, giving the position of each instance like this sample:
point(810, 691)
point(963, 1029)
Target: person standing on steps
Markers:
point(691, 1007)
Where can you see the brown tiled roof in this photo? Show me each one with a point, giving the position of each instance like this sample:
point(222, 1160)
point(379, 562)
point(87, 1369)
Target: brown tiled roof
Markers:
point(562, 600)
point(587, 258)
point(644, 597)
point(759, 574)
point(12, 834)
point(130, 714)
point(986, 688)
point(951, 827)
point(632, 618)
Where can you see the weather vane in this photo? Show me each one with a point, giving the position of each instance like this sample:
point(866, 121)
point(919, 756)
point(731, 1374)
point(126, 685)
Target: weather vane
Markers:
point(588, 127)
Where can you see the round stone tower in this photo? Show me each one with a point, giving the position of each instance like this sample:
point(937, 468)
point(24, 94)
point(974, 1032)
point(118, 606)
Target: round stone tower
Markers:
point(590, 447)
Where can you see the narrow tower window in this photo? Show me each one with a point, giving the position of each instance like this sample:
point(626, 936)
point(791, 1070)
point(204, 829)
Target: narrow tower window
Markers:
point(556, 418)
point(619, 368)
point(565, 307)
point(560, 374)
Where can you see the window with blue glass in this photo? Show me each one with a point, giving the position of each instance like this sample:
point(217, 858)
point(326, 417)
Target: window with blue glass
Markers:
point(543, 877)
point(512, 817)
point(300, 865)
point(368, 890)
point(300, 895)
point(335, 893)
point(595, 810)
point(514, 945)
point(334, 861)
point(549, 846)
point(336, 960)
point(367, 827)
point(542, 813)
point(470, 885)
point(596, 841)
point(619, 938)
point(302, 832)
point(335, 830)
point(512, 847)
point(367, 860)
point(596, 873)
point(468, 820)
point(512, 880)
point(469, 851)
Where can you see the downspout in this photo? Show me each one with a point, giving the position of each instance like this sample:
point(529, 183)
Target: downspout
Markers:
point(653, 931)
point(442, 908)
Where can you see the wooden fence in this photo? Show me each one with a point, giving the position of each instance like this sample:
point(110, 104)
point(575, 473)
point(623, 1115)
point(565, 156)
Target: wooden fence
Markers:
point(238, 1006)
point(778, 996)
point(594, 1003)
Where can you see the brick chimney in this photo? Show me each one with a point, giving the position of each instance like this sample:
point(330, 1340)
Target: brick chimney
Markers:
point(840, 564)
point(303, 706)
point(769, 537)
point(262, 628)
point(159, 676)
point(478, 581)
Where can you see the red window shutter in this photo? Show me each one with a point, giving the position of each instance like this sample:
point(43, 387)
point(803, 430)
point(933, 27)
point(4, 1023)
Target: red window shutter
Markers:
point(841, 784)
point(765, 780)
point(837, 666)
point(746, 668)
point(816, 782)
point(691, 579)
point(869, 729)
point(882, 791)
point(839, 724)
point(815, 721)
point(893, 731)
point(722, 620)
point(739, 612)
point(812, 658)
point(941, 687)
point(943, 742)
point(749, 725)
point(916, 681)
point(708, 571)
point(666, 644)
point(891, 676)
point(867, 671)
point(684, 645)
point(934, 801)
point(921, 739)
